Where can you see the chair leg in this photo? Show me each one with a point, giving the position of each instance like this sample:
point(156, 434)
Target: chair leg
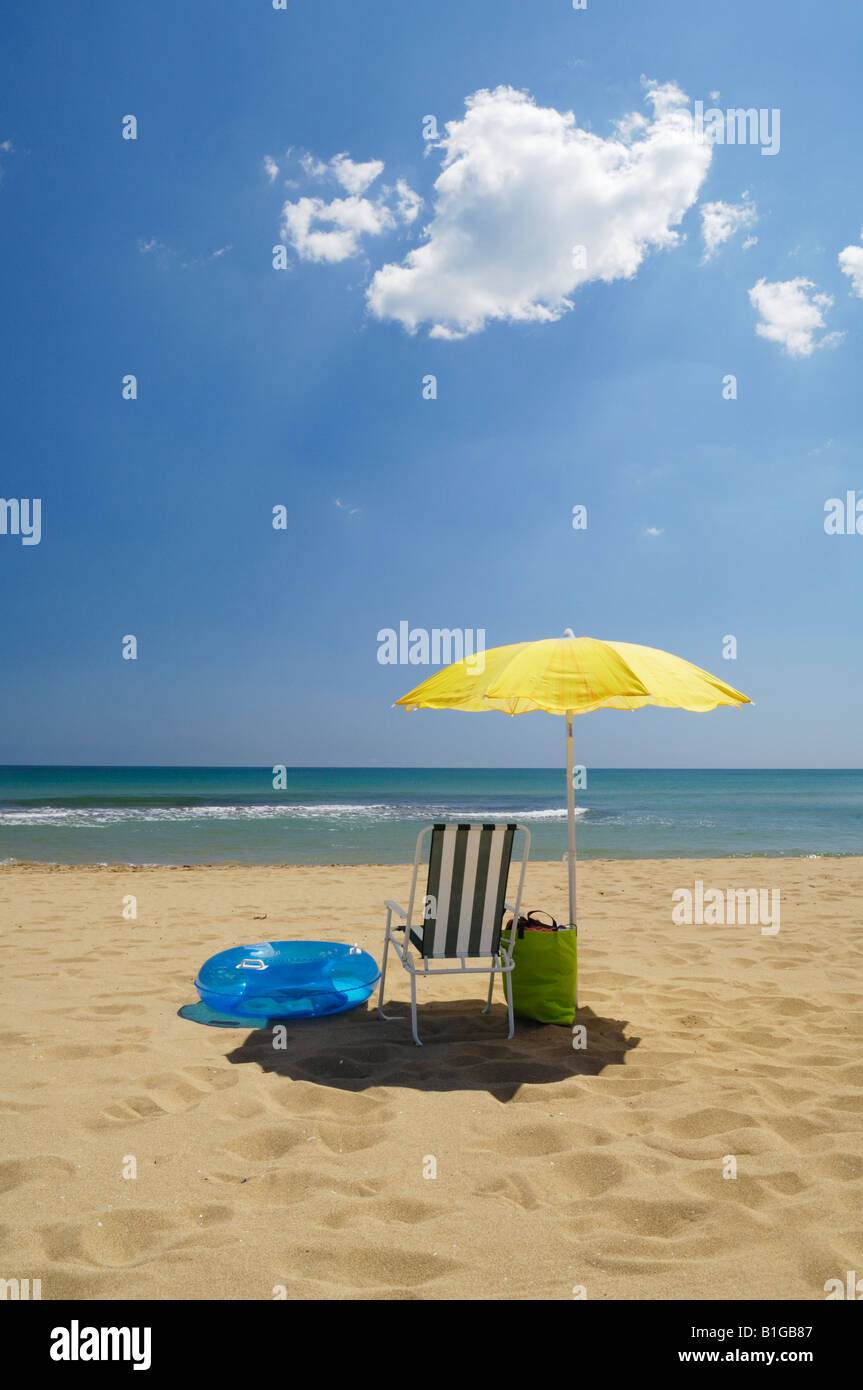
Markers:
point(507, 989)
point(414, 1010)
point(490, 989)
point(383, 979)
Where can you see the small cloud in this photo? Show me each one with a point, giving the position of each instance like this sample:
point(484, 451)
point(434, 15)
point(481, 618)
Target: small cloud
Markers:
point(750, 241)
point(719, 222)
point(792, 315)
point(821, 448)
point(714, 96)
point(653, 531)
point(271, 168)
point(313, 167)
point(168, 256)
point(333, 231)
point(409, 203)
point(6, 147)
point(356, 178)
point(344, 507)
point(851, 264)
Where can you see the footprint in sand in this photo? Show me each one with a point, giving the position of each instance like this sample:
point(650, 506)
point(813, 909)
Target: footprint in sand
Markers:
point(342, 1267)
point(44, 1168)
point(131, 1236)
point(167, 1093)
point(701, 1124)
point(269, 1143)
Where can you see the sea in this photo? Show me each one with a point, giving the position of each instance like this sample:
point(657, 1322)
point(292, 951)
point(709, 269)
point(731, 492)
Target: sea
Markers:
point(349, 815)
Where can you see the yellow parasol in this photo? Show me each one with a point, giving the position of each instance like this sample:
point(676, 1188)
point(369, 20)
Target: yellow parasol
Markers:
point(571, 675)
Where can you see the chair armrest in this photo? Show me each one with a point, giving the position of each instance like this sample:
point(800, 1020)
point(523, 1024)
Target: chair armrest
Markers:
point(394, 907)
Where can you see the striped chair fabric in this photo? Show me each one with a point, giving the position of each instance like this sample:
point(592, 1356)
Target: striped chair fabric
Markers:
point(468, 871)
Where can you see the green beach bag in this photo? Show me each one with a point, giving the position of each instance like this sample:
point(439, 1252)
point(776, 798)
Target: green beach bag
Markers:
point(546, 963)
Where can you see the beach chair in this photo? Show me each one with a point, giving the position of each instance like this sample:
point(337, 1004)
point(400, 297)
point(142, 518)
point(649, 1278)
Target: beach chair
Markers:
point(462, 910)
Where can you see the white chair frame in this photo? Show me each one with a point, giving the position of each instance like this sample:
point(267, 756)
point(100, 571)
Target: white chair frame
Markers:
point(500, 964)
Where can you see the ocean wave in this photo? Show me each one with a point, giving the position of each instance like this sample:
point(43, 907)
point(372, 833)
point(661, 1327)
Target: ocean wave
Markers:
point(97, 817)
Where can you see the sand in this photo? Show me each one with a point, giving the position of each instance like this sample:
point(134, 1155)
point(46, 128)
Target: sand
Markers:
point(305, 1172)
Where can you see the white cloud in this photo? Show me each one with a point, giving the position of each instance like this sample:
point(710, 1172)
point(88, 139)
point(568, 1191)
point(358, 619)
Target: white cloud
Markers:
point(333, 231)
point(520, 190)
point(409, 203)
point(792, 315)
point(851, 264)
point(271, 168)
point(167, 257)
point(320, 231)
point(750, 241)
point(653, 531)
point(719, 222)
point(345, 507)
point(356, 178)
point(315, 168)
point(353, 177)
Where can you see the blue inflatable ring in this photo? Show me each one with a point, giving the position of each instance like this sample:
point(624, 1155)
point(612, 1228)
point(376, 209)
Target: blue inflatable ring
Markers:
point(287, 979)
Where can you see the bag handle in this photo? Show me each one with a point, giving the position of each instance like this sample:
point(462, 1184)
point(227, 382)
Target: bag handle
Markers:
point(538, 912)
point(528, 922)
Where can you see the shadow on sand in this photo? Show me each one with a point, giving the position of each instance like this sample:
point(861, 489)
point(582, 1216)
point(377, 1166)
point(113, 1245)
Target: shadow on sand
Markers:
point(462, 1051)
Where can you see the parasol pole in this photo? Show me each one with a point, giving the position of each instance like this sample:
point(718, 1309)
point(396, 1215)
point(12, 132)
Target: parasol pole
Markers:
point(570, 804)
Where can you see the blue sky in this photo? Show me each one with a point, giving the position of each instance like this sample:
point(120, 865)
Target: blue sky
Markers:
point(260, 387)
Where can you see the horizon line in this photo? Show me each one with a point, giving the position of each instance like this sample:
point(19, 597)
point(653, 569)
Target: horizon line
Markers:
point(407, 767)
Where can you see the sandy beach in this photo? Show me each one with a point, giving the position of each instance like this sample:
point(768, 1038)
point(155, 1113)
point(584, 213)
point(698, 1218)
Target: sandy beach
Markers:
point(305, 1170)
